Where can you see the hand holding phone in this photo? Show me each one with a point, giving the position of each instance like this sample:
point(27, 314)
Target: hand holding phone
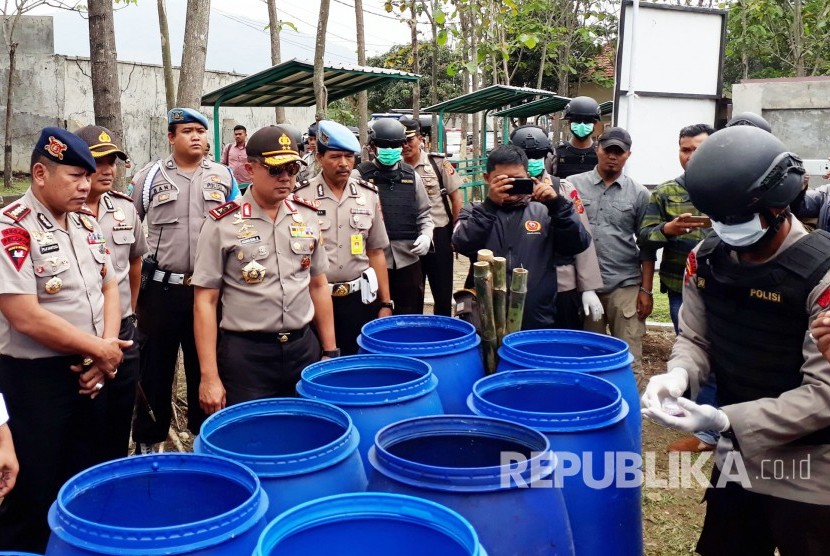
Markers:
point(522, 186)
point(702, 221)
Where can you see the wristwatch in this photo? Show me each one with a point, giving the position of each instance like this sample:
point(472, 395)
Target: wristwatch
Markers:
point(387, 305)
point(331, 353)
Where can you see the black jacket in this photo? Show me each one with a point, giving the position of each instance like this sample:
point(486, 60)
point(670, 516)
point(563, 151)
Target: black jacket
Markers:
point(527, 236)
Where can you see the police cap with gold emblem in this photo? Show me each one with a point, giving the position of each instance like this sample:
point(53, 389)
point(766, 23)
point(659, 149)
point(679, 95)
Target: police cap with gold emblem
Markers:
point(101, 141)
point(413, 127)
point(274, 145)
point(61, 147)
point(186, 116)
point(336, 137)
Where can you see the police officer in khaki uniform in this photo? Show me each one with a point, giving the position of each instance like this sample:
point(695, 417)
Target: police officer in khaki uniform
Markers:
point(312, 168)
point(442, 183)
point(173, 196)
point(261, 258)
point(354, 235)
point(122, 229)
point(59, 320)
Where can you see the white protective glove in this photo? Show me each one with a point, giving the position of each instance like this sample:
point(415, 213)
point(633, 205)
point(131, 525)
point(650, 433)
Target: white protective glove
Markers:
point(421, 246)
point(691, 417)
point(666, 386)
point(591, 305)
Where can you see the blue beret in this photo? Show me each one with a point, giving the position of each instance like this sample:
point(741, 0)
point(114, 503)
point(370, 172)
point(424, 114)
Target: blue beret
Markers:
point(336, 137)
point(62, 147)
point(186, 116)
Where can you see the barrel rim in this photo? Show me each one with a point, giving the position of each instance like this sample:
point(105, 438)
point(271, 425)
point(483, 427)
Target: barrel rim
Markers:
point(364, 505)
point(107, 539)
point(510, 350)
point(467, 479)
point(366, 396)
point(565, 422)
point(468, 340)
point(270, 466)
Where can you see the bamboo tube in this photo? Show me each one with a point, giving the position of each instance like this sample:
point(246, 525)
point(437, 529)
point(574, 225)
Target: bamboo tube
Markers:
point(499, 268)
point(516, 305)
point(484, 292)
point(484, 255)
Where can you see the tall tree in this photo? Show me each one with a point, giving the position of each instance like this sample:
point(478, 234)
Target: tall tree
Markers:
point(194, 53)
point(276, 56)
point(166, 59)
point(320, 95)
point(362, 96)
point(106, 92)
point(416, 62)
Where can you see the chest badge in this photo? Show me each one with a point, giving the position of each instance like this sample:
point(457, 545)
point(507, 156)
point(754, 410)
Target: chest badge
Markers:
point(360, 200)
point(53, 285)
point(253, 273)
point(119, 215)
point(533, 227)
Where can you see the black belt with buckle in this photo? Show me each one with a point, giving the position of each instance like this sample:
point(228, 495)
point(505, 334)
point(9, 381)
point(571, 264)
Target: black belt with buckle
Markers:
point(282, 337)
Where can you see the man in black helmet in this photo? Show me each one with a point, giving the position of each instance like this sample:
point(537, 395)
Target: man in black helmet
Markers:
point(751, 119)
point(406, 213)
point(580, 153)
point(751, 290)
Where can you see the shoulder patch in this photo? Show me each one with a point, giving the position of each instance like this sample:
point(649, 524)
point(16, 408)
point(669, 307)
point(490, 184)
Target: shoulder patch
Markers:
point(120, 195)
point(297, 199)
point(370, 186)
point(437, 155)
point(301, 184)
point(574, 195)
point(449, 167)
point(823, 300)
point(223, 210)
point(85, 210)
point(17, 211)
point(691, 267)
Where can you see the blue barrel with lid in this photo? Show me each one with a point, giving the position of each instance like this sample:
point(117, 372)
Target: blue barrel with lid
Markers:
point(450, 346)
point(299, 449)
point(369, 523)
point(583, 416)
point(159, 504)
point(490, 471)
point(375, 390)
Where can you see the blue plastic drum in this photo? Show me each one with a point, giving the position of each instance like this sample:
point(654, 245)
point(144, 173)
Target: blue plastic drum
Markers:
point(599, 468)
point(159, 504)
point(370, 524)
point(375, 390)
point(450, 346)
point(299, 449)
point(490, 471)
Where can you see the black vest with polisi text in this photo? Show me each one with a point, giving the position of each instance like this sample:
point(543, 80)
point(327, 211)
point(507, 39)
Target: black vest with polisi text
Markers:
point(756, 318)
point(396, 188)
point(571, 160)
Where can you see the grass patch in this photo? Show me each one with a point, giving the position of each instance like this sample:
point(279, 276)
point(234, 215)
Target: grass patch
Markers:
point(19, 186)
point(660, 313)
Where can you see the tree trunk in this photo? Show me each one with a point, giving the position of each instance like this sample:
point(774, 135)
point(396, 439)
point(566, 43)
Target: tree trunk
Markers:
point(320, 96)
point(362, 96)
point(276, 55)
point(416, 67)
point(106, 92)
point(798, 39)
point(7, 147)
point(465, 76)
point(166, 59)
point(474, 82)
point(433, 90)
point(194, 53)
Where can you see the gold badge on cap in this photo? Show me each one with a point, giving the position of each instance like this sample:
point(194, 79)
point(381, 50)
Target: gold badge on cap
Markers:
point(285, 140)
point(53, 285)
point(104, 137)
point(253, 273)
point(56, 147)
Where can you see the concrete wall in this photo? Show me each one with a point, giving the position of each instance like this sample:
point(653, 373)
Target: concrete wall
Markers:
point(52, 89)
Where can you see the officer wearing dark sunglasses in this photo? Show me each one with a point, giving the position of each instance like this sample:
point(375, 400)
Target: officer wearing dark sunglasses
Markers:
point(261, 257)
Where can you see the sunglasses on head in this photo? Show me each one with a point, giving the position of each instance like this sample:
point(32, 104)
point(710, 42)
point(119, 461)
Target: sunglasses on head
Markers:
point(291, 168)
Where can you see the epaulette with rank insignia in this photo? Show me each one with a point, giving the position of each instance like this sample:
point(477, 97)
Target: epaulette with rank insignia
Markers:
point(297, 199)
point(17, 211)
point(86, 210)
point(367, 185)
point(223, 210)
point(438, 155)
point(301, 185)
point(115, 193)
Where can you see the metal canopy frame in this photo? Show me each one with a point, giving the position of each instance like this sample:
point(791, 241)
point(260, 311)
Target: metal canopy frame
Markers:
point(487, 99)
point(548, 105)
point(290, 84)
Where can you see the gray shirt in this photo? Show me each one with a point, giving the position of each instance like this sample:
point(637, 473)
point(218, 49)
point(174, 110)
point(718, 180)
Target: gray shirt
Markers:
point(615, 213)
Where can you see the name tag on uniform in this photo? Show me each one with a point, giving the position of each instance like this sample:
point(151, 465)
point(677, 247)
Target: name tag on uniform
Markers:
point(301, 231)
point(360, 211)
point(357, 244)
point(49, 248)
point(247, 240)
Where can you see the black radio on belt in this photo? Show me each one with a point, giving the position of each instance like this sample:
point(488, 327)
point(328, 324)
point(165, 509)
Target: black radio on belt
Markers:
point(150, 264)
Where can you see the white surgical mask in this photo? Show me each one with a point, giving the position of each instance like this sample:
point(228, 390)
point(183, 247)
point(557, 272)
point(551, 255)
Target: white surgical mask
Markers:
point(740, 235)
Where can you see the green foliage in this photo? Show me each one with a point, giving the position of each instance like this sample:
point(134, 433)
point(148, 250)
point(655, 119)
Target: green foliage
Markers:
point(343, 111)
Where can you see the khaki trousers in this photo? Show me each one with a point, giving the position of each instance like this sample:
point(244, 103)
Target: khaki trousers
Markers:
point(620, 320)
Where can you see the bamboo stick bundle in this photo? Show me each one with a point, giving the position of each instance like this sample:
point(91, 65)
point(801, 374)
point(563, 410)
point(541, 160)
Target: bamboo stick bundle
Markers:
point(484, 255)
point(499, 269)
point(484, 292)
point(516, 305)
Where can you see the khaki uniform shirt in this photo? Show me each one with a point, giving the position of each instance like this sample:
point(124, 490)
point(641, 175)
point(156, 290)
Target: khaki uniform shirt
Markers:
point(765, 427)
point(349, 225)
point(584, 274)
point(121, 226)
point(177, 205)
point(66, 269)
point(432, 182)
point(262, 267)
point(312, 169)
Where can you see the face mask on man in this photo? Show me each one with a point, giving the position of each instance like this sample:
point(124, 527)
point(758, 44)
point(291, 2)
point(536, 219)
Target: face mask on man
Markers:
point(582, 129)
point(389, 157)
point(535, 166)
point(740, 235)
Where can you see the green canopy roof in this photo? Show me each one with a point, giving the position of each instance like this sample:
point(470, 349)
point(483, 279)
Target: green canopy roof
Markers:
point(489, 98)
point(606, 107)
point(290, 84)
point(547, 105)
